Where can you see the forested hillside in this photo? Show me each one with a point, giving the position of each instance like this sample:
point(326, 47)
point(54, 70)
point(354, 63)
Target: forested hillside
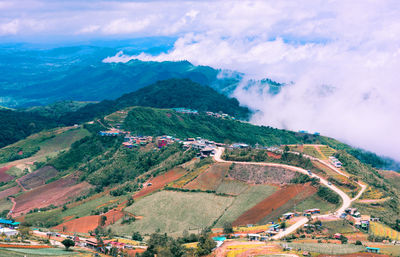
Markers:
point(163, 94)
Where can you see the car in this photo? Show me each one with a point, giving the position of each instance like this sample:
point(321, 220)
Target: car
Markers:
point(329, 183)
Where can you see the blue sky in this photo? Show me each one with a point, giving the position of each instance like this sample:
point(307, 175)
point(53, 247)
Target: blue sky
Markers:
point(343, 56)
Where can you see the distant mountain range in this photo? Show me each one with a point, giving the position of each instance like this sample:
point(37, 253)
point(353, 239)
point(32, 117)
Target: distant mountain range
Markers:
point(39, 77)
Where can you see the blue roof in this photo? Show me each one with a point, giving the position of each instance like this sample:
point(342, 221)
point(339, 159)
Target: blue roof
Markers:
point(373, 248)
point(4, 221)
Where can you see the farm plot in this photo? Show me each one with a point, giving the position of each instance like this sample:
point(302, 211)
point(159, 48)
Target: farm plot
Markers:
point(38, 177)
point(232, 187)
point(244, 202)
point(4, 177)
point(160, 181)
point(55, 193)
point(326, 150)
point(312, 151)
point(40, 252)
point(327, 248)
point(9, 191)
point(381, 230)
point(269, 207)
point(80, 225)
point(179, 211)
point(315, 201)
point(211, 179)
point(256, 174)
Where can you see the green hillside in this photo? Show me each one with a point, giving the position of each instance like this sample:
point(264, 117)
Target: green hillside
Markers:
point(164, 94)
point(151, 121)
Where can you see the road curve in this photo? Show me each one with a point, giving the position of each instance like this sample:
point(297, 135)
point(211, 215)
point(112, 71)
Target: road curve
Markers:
point(346, 201)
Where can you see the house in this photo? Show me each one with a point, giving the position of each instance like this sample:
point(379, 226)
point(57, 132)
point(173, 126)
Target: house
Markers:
point(161, 142)
point(254, 237)
point(93, 243)
point(337, 236)
point(288, 215)
point(9, 223)
point(312, 211)
point(374, 219)
point(351, 211)
point(372, 249)
point(207, 151)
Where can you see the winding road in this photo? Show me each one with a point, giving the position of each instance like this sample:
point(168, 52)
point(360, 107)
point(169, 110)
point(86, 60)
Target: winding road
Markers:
point(346, 200)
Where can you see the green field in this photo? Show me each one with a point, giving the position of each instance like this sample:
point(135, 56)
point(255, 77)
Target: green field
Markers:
point(86, 208)
point(338, 226)
point(232, 187)
point(173, 212)
point(17, 252)
point(245, 201)
point(327, 248)
point(315, 202)
point(5, 205)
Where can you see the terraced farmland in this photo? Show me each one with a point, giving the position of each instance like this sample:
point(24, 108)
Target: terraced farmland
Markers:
point(378, 229)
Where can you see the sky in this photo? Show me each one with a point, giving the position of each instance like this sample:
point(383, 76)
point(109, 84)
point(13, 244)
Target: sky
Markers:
point(340, 59)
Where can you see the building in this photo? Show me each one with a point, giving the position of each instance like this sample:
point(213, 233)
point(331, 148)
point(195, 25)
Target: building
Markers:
point(372, 249)
point(335, 162)
point(288, 215)
point(8, 232)
point(312, 211)
point(337, 236)
point(9, 223)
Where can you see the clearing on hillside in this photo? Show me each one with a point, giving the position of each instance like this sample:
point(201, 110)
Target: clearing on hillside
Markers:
point(256, 174)
point(56, 193)
point(179, 211)
point(38, 177)
point(269, 205)
point(4, 177)
point(9, 191)
point(211, 179)
point(160, 181)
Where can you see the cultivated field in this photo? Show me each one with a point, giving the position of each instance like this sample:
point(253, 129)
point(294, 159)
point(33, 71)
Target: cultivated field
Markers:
point(179, 211)
point(381, 230)
point(232, 187)
point(55, 193)
point(9, 191)
point(256, 174)
point(245, 201)
point(211, 179)
point(327, 248)
point(160, 181)
point(15, 252)
point(38, 177)
point(4, 177)
point(268, 209)
point(80, 225)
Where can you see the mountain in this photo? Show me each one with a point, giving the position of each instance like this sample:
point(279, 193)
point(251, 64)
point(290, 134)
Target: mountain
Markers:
point(43, 76)
point(171, 93)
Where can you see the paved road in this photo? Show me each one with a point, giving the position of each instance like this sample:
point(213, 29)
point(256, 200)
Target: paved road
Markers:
point(346, 201)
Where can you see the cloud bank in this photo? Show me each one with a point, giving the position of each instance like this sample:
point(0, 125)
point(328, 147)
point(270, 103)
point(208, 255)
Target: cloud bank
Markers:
point(343, 57)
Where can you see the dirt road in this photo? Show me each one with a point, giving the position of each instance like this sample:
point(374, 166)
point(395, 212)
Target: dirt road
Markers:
point(346, 201)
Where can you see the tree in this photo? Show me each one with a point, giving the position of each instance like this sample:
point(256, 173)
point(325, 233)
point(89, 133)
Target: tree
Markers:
point(228, 229)
point(286, 149)
point(103, 219)
point(283, 225)
point(358, 242)
point(68, 243)
point(206, 244)
point(136, 236)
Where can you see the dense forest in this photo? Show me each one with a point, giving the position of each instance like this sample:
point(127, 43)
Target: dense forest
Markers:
point(16, 125)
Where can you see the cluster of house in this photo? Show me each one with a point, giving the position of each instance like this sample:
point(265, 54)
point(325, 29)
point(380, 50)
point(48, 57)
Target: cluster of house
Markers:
point(8, 227)
point(102, 246)
point(309, 212)
point(111, 132)
point(220, 115)
point(335, 162)
point(136, 141)
point(185, 110)
point(360, 221)
point(204, 146)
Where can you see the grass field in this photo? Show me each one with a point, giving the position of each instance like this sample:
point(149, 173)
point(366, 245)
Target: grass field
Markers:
point(315, 201)
point(179, 211)
point(5, 205)
point(232, 187)
point(381, 230)
point(338, 226)
point(327, 248)
point(86, 208)
point(17, 252)
point(245, 201)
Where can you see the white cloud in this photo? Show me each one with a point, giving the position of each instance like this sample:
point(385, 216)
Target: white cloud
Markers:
point(125, 26)
point(10, 27)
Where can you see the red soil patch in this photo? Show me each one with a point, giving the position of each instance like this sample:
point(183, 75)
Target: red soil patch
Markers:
point(211, 179)
point(160, 182)
point(273, 155)
point(80, 225)
point(56, 193)
point(9, 191)
point(133, 252)
point(4, 177)
point(271, 203)
point(20, 153)
point(24, 246)
point(87, 223)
